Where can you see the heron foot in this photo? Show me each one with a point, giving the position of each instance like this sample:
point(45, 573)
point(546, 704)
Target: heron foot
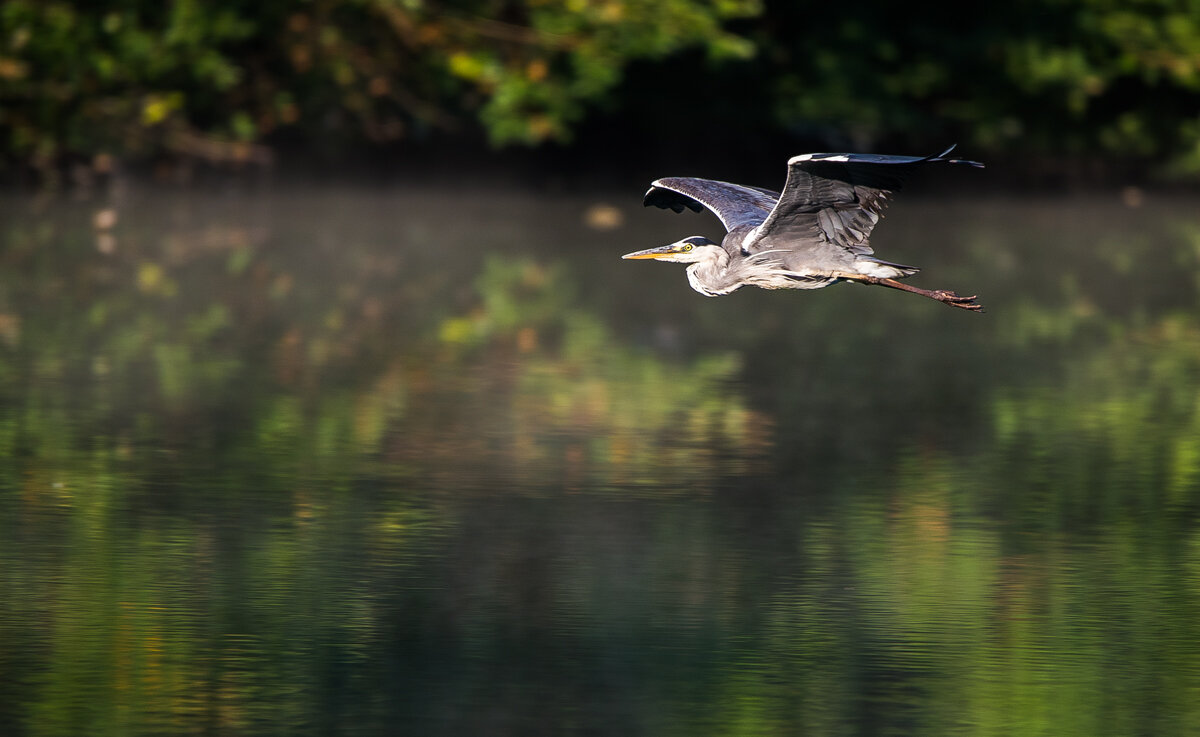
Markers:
point(945, 296)
point(956, 300)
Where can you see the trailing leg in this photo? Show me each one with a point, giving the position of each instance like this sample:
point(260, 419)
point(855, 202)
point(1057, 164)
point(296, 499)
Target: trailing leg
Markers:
point(941, 295)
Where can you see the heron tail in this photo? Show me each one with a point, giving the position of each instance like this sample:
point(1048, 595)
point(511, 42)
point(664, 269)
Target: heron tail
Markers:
point(886, 269)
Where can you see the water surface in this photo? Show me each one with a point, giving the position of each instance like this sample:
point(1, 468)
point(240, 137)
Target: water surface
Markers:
point(400, 462)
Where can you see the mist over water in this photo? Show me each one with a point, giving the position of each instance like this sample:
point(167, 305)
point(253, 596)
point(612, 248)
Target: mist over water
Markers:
point(352, 461)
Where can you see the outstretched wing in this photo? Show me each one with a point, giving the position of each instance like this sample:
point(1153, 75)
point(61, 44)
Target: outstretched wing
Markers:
point(838, 198)
point(734, 204)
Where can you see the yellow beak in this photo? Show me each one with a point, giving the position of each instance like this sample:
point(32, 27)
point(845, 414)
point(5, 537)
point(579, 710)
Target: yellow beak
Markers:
point(654, 252)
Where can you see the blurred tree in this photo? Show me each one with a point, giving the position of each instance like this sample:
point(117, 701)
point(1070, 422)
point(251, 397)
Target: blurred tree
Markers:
point(1089, 79)
point(210, 79)
point(1096, 81)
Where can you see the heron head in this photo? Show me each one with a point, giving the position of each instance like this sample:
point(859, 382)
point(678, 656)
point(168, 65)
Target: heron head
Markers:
point(690, 250)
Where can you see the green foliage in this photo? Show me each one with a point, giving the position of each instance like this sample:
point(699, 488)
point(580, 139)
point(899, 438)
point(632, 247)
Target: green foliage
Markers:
point(537, 78)
point(84, 78)
point(1039, 77)
point(205, 79)
point(213, 80)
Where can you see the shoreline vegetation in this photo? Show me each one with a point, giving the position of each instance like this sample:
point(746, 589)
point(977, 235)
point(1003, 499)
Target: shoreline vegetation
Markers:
point(1097, 92)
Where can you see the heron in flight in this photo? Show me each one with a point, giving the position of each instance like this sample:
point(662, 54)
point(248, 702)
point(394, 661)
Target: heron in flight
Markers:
point(811, 235)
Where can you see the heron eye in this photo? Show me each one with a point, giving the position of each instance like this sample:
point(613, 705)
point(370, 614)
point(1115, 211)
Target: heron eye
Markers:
point(688, 247)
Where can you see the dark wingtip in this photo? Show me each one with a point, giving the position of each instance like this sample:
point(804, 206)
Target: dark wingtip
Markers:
point(668, 200)
point(942, 157)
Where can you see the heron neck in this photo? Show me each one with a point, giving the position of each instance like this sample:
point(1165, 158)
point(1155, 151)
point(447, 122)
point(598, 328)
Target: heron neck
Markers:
point(710, 277)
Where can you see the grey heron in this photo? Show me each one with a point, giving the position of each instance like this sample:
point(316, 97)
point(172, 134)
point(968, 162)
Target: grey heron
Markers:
point(813, 234)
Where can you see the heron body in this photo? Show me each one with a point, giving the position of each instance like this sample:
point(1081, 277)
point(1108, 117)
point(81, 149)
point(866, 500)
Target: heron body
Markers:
point(813, 234)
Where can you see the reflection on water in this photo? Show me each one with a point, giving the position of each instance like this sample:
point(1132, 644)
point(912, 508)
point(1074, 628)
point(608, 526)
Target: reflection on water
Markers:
point(381, 463)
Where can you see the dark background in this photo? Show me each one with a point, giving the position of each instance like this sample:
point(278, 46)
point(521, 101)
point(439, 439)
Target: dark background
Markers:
point(572, 94)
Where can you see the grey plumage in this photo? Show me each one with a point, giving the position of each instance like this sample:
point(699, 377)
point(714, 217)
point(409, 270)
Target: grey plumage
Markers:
point(815, 233)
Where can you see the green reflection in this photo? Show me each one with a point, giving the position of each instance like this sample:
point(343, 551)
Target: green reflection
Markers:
point(292, 473)
point(576, 407)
